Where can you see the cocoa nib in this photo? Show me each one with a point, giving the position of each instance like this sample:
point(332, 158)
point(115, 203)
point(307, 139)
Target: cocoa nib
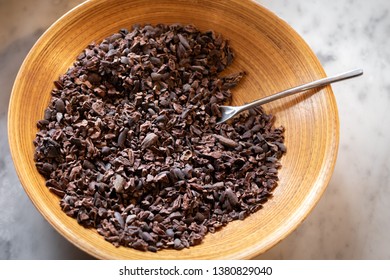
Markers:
point(130, 144)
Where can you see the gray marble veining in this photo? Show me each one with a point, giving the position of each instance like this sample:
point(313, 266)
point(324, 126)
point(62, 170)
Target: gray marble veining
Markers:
point(352, 219)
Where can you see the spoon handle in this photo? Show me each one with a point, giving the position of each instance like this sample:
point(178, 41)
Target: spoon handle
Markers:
point(318, 83)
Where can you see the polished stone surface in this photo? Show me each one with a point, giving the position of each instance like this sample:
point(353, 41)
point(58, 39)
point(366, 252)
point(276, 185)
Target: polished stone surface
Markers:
point(352, 219)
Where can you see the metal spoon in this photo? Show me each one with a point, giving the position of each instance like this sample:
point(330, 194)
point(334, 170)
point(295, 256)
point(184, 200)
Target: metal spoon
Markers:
point(229, 112)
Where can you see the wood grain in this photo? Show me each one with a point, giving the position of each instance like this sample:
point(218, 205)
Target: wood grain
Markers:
point(274, 56)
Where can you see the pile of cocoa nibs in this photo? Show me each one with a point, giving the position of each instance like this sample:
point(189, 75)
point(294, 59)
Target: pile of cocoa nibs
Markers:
point(130, 144)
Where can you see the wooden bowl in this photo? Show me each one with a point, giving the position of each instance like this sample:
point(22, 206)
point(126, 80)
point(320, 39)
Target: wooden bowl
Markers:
point(274, 56)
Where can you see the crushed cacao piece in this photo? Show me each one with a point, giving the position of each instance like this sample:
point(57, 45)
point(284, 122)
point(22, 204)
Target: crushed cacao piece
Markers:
point(130, 144)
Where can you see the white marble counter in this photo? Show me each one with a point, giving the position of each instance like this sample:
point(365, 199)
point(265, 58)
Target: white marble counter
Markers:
point(352, 219)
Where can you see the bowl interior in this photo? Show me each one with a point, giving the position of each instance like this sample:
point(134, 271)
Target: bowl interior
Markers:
point(274, 57)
